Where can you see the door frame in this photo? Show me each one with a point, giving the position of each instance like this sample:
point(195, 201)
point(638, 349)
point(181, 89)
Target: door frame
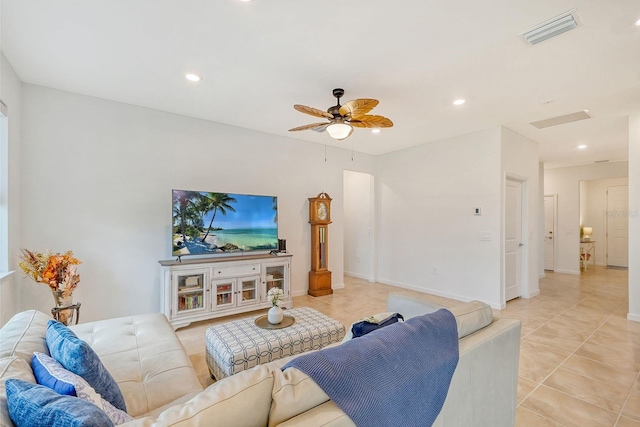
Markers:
point(524, 225)
point(555, 232)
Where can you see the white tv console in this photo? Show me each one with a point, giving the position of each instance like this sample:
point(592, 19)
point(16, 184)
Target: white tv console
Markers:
point(200, 289)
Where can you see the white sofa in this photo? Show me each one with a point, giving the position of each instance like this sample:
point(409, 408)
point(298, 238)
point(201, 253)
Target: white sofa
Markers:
point(160, 387)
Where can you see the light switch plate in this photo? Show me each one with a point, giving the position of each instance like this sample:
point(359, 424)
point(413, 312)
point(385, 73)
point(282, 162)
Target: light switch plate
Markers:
point(485, 236)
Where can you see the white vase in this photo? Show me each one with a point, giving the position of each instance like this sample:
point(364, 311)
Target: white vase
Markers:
point(275, 315)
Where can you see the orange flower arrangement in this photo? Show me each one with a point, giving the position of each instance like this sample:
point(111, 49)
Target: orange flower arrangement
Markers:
point(56, 270)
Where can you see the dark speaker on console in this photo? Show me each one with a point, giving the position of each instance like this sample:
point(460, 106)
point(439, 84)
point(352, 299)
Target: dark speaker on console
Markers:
point(282, 245)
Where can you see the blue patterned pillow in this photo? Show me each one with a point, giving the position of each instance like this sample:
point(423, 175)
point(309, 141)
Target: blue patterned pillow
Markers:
point(45, 377)
point(48, 371)
point(33, 405)
point(78, 357)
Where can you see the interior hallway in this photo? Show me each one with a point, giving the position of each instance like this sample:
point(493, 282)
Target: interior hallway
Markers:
point(579, 357)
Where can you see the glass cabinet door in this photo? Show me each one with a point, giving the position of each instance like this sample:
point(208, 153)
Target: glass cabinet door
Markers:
point(190, 290)
point(223, 293)
point(275, 277)
point(248, 287)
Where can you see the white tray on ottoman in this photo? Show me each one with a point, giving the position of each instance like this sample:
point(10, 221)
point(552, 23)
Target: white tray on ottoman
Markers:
point(235, 346)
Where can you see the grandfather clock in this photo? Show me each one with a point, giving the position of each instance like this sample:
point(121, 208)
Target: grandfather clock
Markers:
point(320, 218)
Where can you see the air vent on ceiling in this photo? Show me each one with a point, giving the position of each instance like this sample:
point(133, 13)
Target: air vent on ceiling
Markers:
point(560, 120)
point(551, 28)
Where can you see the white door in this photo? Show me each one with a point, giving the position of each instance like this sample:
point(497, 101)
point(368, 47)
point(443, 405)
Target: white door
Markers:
point(549, 238)
point(618, 226)
point(513, 239)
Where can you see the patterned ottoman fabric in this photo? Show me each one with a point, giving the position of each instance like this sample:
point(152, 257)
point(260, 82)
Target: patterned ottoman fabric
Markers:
point(235, 346)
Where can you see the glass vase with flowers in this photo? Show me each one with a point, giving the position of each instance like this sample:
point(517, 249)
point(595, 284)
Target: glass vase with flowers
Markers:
point(58, 271)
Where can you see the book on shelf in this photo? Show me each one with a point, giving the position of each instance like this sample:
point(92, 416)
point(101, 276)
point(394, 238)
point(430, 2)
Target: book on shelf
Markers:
point(190, 302)
point(223, 289)
point(192, 281)
point(223, 299)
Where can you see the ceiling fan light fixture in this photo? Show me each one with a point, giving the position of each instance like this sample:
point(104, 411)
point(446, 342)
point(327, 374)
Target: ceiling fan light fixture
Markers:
point(375, 130)
point(339, 130)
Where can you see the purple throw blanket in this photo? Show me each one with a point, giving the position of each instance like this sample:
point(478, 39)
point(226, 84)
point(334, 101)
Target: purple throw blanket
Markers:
point(397, 375)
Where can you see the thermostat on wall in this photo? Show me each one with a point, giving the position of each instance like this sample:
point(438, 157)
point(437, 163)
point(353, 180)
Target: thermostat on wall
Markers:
point(477, 211)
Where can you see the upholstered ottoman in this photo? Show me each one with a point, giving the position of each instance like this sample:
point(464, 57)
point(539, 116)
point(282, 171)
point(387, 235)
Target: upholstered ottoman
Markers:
point(235, 346)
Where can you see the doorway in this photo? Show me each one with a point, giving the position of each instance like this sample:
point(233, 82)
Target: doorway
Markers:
point(604, 222)
point(617, 226)
point(359, 238)
point(513, 238)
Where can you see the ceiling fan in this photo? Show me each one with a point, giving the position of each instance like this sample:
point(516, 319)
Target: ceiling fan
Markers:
point(343, 118)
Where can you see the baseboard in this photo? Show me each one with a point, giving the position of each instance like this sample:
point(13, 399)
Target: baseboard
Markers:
point(298, 293)
point(633, 317)
point(359, 276)
point(337, 286)
point(542, 276)
point(435, 292)
point(577, 273)
point(533, 294)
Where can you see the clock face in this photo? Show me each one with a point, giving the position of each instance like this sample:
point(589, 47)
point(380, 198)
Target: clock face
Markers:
point(322, 211)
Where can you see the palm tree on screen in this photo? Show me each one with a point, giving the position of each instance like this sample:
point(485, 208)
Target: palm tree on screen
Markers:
point(274, 206)
point(219, 202)
point(182, 205)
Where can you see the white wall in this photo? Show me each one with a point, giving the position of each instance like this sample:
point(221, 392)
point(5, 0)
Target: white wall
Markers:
point(565, 182)
point(97, 178)
point(520, 161)
point(426, 196)
point(10, 94)
point(634, 220)
point(359, 208)
point(593, 214)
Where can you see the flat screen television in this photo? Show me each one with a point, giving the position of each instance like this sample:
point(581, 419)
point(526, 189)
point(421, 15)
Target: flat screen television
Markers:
point(214, 223)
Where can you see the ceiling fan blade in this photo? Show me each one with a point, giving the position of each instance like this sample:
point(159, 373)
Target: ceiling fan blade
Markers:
point(313, 111)
point(358, 107)
point(314, 126)
point(371, 121)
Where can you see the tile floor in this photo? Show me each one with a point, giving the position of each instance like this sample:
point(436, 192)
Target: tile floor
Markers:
point(579, 357)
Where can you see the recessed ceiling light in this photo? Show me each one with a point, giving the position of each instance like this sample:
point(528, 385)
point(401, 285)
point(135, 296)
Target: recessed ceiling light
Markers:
point(582, 147)
point(638, 22)
point(459, 102)
point(193, 77)
point(375, 130)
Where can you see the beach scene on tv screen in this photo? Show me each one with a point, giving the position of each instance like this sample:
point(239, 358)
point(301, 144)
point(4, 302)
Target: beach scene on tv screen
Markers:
point(206, 223)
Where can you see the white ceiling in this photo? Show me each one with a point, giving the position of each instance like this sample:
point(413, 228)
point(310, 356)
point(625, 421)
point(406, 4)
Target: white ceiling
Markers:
point(415, 56)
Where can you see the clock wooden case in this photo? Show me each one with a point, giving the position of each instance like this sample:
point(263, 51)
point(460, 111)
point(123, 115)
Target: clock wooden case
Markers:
point(320, 218)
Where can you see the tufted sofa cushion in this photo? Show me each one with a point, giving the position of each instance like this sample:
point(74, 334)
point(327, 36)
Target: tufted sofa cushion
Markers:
point(143, 355)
